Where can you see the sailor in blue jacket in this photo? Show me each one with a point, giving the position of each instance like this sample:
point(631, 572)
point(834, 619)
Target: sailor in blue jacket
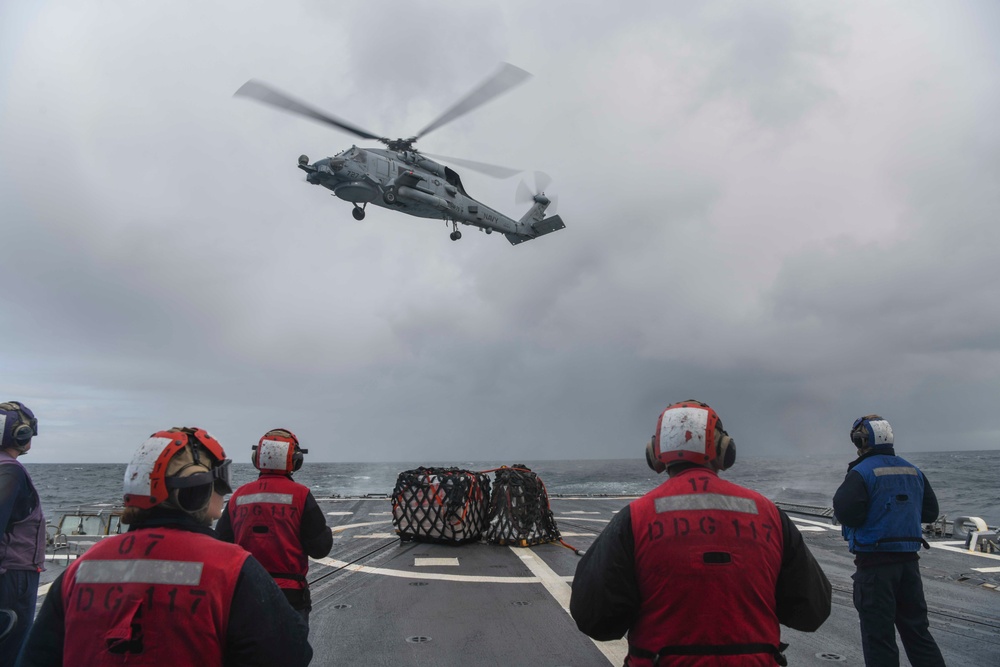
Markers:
point(881, 504)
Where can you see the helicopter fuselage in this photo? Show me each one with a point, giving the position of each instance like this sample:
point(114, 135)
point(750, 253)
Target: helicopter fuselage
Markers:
point(408, 182)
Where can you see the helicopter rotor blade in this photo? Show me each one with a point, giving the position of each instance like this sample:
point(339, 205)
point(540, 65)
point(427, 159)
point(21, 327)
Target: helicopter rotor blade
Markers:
point(506, 78)
point(523, 195)
point(542, 181)
point(264, 93)
point(494, 170)
point(526, 193)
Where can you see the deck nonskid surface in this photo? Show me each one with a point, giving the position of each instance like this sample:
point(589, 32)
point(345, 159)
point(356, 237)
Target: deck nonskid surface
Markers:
point(379, 601)
point(376, 600)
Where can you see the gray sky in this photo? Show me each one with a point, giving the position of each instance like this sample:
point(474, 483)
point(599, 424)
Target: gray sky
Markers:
point(785, 209)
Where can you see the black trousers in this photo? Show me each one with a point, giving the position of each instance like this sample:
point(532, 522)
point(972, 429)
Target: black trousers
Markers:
point(890, 597)
point(18, 591)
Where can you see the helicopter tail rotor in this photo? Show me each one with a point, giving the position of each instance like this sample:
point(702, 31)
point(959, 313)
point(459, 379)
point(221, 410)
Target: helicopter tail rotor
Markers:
point(535, 193)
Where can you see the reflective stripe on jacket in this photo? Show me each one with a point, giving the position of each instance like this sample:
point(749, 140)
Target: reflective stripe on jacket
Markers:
point(266, 517)
point(153, 596)
point(895, 498)
point(707, 557)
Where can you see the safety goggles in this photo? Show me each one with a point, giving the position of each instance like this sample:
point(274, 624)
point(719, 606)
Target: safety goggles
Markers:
point(220, 477)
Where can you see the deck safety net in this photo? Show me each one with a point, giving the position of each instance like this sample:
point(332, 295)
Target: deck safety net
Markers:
point(519, 510)
point(443, 505)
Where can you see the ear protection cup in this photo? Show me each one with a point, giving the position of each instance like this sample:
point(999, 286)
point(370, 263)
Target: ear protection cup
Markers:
point(297, 459)
point(193, 498)
point(27, 429)
point(725, 448)
point(859, 438)
point(652, 460)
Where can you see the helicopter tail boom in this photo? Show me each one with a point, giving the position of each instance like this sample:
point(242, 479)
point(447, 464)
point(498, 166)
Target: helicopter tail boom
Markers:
point(535, 222)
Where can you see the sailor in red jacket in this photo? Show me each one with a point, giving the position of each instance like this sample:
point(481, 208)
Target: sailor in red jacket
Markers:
point(277, 519)
point(168, 592)
point(698, 571)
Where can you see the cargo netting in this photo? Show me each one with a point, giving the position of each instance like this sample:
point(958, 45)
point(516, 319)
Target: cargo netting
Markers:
point(443, 505)
point(519, 510)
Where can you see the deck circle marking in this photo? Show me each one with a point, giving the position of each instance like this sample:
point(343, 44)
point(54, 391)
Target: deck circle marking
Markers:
point(831, 657)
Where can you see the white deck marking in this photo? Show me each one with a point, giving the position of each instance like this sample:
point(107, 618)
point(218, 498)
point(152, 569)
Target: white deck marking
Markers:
point(406, 574)
point(380, 513)
point(947, 546)
point(44, 588)
point(339, 513)
point(577, 534)
point(338, 529)
point(580, 518)
point(580, 512)
point(826, 526)
point(614, 651)
point(987, 570)
point(435, 562)
point(375, 536)
point(810, 529)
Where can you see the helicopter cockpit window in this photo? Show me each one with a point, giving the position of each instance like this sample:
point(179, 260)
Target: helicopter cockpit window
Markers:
point(359, 156)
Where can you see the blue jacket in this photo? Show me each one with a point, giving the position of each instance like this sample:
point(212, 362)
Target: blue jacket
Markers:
point(895, 503)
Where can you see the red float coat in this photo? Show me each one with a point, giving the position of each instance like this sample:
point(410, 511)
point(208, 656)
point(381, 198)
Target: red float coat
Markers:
point(266, 519)
point(150, 597)
point(707, 557)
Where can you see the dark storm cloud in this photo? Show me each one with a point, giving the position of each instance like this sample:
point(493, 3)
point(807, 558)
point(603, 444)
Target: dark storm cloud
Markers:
point(780, 209)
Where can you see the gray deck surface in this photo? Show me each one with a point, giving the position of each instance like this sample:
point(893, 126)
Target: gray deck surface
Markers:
point(466, 616)
point(367, 617)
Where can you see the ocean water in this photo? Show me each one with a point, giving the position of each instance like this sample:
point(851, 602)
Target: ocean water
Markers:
point(966, 483)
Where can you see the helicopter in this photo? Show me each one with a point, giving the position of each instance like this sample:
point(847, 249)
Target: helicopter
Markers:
point(401, 178)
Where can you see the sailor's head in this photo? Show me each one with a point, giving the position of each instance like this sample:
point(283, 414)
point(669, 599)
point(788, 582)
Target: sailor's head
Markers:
point(871, 432)
point(182, 468)
point(278, 452)
point(690, 432)
point(18, 425)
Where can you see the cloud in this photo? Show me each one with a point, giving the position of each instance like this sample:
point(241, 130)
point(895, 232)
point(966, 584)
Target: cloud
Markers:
point(784, 209)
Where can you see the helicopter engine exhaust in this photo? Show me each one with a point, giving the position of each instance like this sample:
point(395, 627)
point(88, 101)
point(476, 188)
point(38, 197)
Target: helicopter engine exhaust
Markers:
point(423, 197)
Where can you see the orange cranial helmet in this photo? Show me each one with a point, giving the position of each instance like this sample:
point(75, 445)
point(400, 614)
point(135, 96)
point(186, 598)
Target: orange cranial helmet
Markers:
point(690, 431)
point(278, 452)
point(170, 463)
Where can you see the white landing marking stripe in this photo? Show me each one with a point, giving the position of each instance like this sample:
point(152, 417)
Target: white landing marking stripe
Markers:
point(376, 536)
point(44, 588)
point(987, 570)
point(826, 526)
point(468, 578)
point(338, 529)
point(961, 550)
point(577, 534)
point(810, 529)
point(339, 513)
point(614, 651)
point(580, 512)
point(380, 513)
point(580, 518)
point(435, 562)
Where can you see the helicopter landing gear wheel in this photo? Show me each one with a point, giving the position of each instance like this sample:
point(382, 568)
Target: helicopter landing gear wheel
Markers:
point(456, 235)
point(489, 230)
point(358, 213)
point(390, 195)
